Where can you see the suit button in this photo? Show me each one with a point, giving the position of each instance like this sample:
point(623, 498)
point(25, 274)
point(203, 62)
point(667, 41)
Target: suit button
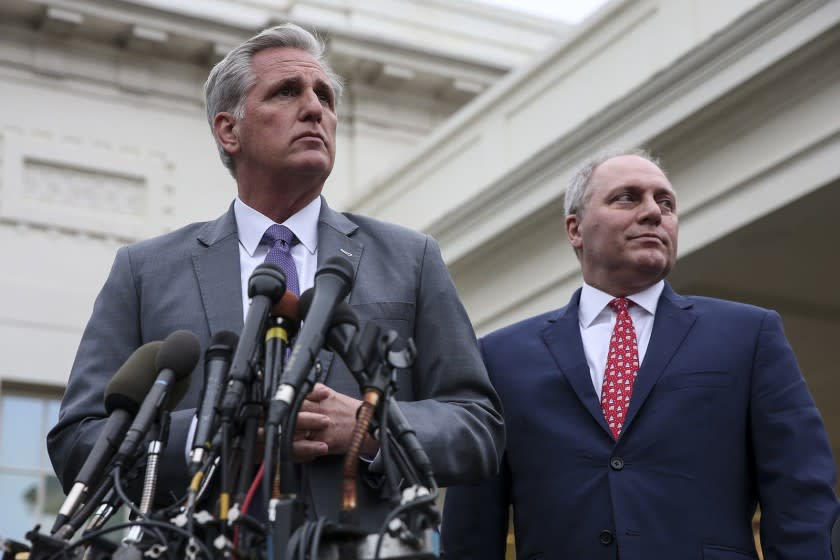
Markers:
point(617, 463)
point(606, 537)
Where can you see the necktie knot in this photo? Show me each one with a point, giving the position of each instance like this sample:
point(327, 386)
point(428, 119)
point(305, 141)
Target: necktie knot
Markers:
point(281, 239)
point(620, 304)
point(277, 233)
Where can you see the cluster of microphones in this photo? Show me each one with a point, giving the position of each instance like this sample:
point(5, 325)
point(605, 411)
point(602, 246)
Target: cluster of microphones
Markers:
point(242, 502)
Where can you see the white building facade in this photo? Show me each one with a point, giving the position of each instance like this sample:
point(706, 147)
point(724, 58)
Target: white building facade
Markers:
point(103, 141)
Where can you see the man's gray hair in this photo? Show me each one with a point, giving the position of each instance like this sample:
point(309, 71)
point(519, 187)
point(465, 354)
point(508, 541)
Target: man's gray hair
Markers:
point(576, 192)
point(231, 79)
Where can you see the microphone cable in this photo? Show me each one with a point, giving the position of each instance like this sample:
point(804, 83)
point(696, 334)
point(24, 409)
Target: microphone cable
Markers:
point(249, 497)
point(154, 525)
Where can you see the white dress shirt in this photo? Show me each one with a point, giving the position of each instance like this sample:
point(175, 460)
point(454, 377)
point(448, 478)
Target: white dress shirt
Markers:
point(252, 225)
point(597, 320)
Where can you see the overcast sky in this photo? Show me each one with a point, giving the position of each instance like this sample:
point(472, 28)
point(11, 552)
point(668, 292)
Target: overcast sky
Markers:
point(569, 11)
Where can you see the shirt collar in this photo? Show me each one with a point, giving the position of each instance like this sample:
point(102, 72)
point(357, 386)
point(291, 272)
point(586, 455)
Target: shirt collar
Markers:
point(593, 301)
point(251, 225)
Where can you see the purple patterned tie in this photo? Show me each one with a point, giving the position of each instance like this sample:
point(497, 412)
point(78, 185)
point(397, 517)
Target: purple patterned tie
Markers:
point(281, 238)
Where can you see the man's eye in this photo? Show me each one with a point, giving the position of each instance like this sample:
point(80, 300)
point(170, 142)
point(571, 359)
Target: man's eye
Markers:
point(623, 197)
point(325, 98)
point(667, 203)
point(284, 92)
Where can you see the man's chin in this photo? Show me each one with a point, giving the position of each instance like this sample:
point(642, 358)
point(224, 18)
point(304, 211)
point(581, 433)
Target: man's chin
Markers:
point(312, 167)
point(654, 268)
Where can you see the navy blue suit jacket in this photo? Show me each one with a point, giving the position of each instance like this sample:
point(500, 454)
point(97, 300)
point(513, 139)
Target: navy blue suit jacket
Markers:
point(720, 419)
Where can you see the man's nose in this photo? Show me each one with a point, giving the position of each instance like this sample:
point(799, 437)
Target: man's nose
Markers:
point(650, 211)
point(312, 108)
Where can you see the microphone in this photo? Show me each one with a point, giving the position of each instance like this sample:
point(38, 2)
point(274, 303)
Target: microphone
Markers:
point(287, 307)
point(216, 366)
point(266, 286)
point(332, 284)
point(280, 330)
point(123, 397)
point(147, 413)
point(175, 361)
point(343, 339)
point(360, 353)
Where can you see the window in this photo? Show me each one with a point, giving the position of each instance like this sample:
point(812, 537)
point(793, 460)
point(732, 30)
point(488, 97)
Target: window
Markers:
point(29, 491)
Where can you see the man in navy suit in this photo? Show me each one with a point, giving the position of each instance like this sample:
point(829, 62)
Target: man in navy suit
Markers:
point(642, 424)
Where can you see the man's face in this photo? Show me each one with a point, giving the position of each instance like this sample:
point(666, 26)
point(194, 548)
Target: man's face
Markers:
point(626, 233)
point(289, 123)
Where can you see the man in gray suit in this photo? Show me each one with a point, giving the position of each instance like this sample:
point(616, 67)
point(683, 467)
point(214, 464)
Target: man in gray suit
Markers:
point(271, 104)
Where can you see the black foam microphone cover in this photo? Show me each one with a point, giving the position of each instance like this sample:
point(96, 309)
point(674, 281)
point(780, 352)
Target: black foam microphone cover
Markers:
point(132, 382)
point(175, 361)
point(179, 352)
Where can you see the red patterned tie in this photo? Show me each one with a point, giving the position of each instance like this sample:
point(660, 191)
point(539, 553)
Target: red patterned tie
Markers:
point(622, 366)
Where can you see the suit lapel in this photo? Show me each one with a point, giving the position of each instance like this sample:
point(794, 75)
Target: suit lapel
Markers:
point(216, 264)
point(670, 326)
point(334, 231)
point(334, 238)
point(562, 337)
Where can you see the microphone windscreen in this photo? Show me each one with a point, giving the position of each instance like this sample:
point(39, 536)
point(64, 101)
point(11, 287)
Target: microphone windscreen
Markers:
point(305, 302)
point(133, 380)
point(224, 339)
point(339, 266)
point(344, 314)
point(179, 352)
point(287, 307)
point(268, 280)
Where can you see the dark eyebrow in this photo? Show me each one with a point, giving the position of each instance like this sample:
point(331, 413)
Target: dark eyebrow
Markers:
point(624, 187)
point(289, 81)
point(324, 85)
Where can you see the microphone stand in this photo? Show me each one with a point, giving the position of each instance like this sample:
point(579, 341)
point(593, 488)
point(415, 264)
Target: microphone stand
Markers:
point(278, 336)
point(265, 287)
point(104, 512)
point(102, 501)
point(377, 380)
point(286, 512)
point(250, 414)
point(147, 498)
point(416, 536)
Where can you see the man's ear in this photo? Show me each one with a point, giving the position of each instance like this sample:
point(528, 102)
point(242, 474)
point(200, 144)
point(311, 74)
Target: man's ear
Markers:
point(573, 231)
point(224, 129)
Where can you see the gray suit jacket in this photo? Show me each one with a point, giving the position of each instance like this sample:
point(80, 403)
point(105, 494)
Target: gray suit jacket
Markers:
point(190, 279)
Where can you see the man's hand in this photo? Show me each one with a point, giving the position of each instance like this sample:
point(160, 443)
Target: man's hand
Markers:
point(325, 425)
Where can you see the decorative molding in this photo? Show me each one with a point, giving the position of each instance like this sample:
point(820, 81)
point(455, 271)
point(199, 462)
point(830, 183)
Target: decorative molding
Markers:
point(103, 69)
point(84, 187)
point(458, 55)
point(72, 189)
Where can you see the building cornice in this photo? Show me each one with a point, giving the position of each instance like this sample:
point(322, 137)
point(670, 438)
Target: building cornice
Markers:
point(749, 45)
point(448, 50)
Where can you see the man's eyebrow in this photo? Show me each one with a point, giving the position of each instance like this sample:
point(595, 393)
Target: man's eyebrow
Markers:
point(325, 84)
point(287, 80)
point(637, 185)
point(631, 185)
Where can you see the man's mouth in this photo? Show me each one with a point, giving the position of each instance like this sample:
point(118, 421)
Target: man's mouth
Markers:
point(648, 236)
point(311, 136)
